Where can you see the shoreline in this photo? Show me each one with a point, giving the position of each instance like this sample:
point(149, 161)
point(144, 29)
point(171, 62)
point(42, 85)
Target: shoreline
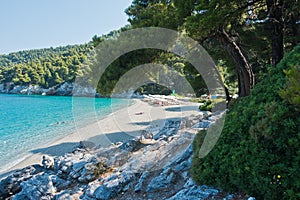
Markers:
point(31, 158)
point(120, 125)
point(155, 165)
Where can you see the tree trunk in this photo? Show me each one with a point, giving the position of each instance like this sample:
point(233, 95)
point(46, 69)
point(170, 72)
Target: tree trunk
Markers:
point(244, 69)
point(275, 8)
point(228, 98)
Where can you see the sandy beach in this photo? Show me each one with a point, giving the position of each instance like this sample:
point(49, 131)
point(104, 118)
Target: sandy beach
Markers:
point(121, 125)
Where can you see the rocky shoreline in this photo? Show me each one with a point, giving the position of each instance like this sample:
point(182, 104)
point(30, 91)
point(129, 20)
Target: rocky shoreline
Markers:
point(65, 89)
point(153, 166)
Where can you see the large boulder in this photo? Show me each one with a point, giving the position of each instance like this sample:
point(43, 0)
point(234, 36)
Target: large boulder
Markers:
point(139, 185)
point(113, 186)
point(38, 187)
point(47, 162)
point(146, 135)
point(12, 184)
point(161, 182)
point(130, 145)
point(191, 191)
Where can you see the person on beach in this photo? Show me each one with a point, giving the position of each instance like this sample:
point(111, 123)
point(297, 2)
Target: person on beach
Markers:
point(139, 113)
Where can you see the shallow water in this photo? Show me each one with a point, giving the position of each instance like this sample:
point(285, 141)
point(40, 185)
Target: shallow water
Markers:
point(28, 122)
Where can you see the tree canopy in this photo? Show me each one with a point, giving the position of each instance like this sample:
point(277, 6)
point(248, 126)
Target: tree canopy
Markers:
point(45, 67)
point(252, 33)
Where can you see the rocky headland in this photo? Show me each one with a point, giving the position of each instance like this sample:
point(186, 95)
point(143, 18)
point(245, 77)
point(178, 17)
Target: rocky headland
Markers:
point(64, 89)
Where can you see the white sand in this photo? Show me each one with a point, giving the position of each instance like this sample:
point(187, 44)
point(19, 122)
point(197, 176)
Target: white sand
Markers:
point(119, 126)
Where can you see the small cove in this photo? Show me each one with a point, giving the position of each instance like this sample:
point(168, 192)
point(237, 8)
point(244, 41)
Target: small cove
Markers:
point(28, 121)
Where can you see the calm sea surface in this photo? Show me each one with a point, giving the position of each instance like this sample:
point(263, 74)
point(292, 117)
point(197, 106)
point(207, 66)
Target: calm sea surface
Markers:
point(27, 122)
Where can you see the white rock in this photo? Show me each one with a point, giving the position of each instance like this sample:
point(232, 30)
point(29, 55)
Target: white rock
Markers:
point(38, 187)
point(47, 162)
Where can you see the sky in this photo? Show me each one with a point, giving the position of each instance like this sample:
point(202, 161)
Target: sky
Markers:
point(34, 24)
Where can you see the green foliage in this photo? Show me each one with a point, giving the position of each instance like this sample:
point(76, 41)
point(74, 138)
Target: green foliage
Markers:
point(158, 13)
point(51, 67)
point(139, 57)
point(120, 66)
point(258, 150)
point(45, 67)
point(198, 141)
point(153, 88)
point(206, 106)
point(228, 75)
point(100, 169)
point(292, 91)
point(243, 21)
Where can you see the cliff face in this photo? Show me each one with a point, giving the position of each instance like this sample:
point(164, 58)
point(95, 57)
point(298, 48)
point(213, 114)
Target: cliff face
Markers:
point(154, 166)
point(65, 89)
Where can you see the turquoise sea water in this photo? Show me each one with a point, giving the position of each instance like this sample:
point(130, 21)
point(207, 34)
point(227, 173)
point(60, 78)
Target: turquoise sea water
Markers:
point(27, 122)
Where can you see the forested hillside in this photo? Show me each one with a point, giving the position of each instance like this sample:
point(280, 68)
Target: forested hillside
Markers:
point(45, 67)
point(54, 66)
point(242, 37)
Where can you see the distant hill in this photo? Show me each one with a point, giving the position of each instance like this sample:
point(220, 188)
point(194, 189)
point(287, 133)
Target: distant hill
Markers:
point(31, 71)
point(45, 67)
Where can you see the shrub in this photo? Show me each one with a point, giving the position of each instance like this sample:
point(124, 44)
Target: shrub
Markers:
point(209, 104)
point(258, 150)
point(292, 91)
point(206, 106)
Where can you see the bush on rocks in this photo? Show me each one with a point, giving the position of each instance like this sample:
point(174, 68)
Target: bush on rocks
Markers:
point(209, 104)
point(258, 150)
